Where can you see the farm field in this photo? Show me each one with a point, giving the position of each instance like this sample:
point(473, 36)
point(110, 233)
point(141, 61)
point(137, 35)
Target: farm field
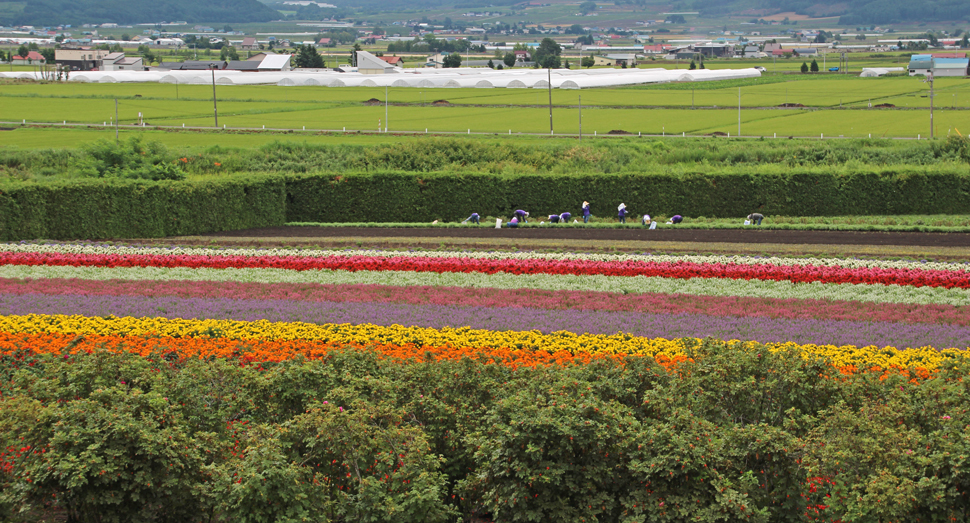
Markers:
point(654, 110)
point(231, 360)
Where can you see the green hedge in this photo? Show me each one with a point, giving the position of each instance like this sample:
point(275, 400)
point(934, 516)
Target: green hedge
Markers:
point(99, 209)
point(404, 197)
point(129, 209)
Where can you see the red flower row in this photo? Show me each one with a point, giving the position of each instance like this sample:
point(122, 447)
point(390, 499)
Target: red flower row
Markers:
point(683, 270)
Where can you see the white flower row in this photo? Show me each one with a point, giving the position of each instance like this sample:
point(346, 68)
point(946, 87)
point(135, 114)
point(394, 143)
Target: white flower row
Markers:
point(551, 257)
point(875, 293)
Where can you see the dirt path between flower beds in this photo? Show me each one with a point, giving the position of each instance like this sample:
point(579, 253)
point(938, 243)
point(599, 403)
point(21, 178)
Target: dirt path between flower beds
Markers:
point(619, 235)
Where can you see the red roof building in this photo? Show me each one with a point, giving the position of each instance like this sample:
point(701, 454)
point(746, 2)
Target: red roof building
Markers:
point(393, 60)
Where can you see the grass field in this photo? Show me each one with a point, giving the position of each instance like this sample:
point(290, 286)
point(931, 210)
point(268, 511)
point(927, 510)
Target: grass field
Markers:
point(654, 110)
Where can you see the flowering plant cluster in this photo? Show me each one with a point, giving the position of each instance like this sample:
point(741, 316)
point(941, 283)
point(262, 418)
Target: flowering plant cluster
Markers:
point(156, 383)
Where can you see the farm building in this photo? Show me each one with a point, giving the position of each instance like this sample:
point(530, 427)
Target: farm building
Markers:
point(249, 44)
point(80, 59)
point(950, 66)
point(32, 58)
point(367, 63)
point(714, 49)
point(120, 62)
point(920, 64)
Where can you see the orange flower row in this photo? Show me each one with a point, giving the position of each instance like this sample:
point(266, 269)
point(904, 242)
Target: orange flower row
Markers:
point(256, 350)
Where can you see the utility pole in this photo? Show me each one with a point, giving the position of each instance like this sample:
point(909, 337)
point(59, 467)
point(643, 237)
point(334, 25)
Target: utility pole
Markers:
point(580, 118)
point(549, 79)
point(116, 119)
point(692, 97)
point(929, 78)
point(385, 108)
point(739, 112)
point(215, 109)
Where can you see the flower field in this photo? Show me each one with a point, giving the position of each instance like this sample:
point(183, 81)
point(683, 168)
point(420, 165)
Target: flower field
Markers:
point(495, 358)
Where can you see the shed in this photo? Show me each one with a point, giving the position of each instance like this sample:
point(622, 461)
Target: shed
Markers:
point(920, 64)
point(950, 66)
point(275, 62)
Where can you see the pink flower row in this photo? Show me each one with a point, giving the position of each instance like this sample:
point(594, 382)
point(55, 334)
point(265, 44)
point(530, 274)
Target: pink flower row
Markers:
point(484, 297)
point(683, 270)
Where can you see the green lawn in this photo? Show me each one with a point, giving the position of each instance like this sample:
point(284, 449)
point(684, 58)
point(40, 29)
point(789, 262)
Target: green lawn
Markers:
point(656, 109)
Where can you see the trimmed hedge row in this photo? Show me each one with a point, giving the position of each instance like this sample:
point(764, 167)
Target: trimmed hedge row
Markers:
point(409, 197)
point(131, 209)
point(117, 208)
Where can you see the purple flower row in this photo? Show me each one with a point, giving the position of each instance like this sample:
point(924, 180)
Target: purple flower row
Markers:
point(802, 331)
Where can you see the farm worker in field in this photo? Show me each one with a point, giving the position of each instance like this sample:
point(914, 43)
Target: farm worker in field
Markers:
point(522, 216)
point(622, 212)
point(676, 219)
point(646, 220)
point(756, 218)
point(473, 218)
point(564, 217)
point(514, 222)
point(585, 212)
point(553, 218)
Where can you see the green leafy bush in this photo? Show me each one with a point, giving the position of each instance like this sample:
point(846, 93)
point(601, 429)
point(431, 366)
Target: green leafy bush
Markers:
point(131, 159)
point(734, 433)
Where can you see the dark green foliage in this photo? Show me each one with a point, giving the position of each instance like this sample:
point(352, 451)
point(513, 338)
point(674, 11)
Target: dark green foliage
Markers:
point(138, 209)
point(131, 159)
point(54, 12)
point(308, 57)
point(409, 197)
point(435, 179)
point(735, 433)
point(452, 61)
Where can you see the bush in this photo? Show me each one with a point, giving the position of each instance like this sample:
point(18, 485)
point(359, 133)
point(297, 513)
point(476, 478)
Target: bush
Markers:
point(114, 208)
point(731, 433)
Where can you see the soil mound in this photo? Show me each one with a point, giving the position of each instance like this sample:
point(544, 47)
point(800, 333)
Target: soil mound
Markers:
point(883, 106)
point(717, 133)
point(373, 101)
point(618, 131)
point(441, 102)
point(791, 104)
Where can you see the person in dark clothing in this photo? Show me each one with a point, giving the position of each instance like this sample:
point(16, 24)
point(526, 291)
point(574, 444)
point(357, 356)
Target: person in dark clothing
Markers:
point(473, 218)
point(622, 212)
point(756, 218)
point(564, 217)
point(522, 216)
point(553, 218)
point(586, 212)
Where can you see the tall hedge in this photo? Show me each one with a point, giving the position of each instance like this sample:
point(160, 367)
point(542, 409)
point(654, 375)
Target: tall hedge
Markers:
point(101, 209)
point(404, 197)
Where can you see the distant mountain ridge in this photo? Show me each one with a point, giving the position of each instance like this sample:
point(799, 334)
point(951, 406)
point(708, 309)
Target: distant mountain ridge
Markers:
point(881, 12)
point(76, 12)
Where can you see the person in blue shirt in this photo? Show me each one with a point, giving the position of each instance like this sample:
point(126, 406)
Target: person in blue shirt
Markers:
point(514, 222)
point(676, 219)
point(586, 212)
point(553, 218)
point(622, 212)
point(473, 218)
point(564, 217)
point(522, 216)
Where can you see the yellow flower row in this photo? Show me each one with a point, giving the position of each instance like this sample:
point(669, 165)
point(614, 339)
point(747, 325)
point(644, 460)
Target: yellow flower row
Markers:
point(849, 355)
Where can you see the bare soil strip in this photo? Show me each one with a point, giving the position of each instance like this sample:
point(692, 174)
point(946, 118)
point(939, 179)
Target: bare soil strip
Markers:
point(751, 236)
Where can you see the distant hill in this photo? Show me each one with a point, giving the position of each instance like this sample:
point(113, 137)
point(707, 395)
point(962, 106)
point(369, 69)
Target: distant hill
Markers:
point(76, 12)
point(879, 12)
